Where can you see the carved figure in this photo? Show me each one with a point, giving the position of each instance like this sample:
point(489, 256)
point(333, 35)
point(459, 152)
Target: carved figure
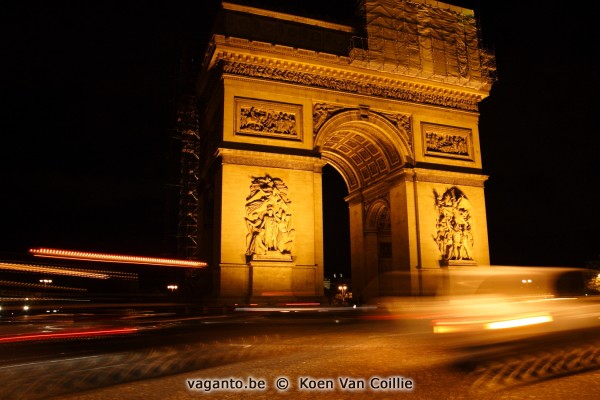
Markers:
point(285, 234)
point(446, 143)
point(454, 237)
point(348, 85)
point(268, 219)
point(322, 112)
point(267, 120)
point(253, 225)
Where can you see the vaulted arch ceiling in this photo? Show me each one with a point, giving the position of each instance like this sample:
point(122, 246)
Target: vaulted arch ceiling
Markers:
point(368, 159)
point(360, 150)
point(378, 216)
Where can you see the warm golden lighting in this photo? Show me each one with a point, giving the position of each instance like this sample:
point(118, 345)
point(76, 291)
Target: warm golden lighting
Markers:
point(115, 258)
point(515, 323)
point(53, 270)
point(36, 286)
point(447, 329)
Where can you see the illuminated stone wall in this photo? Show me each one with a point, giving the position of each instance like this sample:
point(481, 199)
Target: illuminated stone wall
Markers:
point(303, 260)
point(407, 147)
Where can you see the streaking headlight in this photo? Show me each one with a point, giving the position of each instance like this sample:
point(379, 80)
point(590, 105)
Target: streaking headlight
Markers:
point(515, 323)
point(448, 329)
point(457, 326)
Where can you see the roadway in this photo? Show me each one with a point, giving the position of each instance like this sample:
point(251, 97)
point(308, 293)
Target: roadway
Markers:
point(317, 354)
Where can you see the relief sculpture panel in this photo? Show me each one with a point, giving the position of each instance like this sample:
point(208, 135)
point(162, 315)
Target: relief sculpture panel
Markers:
point(269, 220)
point(268, 119)
point(454, 235)
point(447, 141)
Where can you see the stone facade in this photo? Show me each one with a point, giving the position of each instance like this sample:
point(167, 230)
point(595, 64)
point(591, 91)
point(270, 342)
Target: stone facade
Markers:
point(406, 144)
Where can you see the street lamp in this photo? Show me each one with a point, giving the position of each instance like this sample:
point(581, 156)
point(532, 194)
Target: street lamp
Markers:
point(342, 288)
point(172, 288)
point(45, 282)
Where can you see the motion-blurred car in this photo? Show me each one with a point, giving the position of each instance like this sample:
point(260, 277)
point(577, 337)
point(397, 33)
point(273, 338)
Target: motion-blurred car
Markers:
point(509, 305)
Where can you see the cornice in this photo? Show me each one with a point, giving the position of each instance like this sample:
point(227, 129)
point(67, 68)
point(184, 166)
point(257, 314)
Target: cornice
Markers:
point(241, 57)
point(435, 176)
point(449, 178)
point(271, 160)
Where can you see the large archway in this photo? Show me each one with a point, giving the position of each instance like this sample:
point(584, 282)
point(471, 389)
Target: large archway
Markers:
point(368, 150)
point(273, 116)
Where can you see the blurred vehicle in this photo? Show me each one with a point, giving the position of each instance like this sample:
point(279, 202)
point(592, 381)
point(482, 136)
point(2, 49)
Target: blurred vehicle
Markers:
point(516, 306)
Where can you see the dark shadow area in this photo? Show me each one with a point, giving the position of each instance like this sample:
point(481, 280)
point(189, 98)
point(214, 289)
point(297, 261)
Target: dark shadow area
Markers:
point(336, 224)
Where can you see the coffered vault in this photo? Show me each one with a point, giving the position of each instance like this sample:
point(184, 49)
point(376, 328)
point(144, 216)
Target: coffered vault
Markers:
point(364, 146)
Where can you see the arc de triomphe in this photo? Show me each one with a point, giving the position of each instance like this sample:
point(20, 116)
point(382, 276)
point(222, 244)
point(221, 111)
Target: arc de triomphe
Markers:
point(392, 105)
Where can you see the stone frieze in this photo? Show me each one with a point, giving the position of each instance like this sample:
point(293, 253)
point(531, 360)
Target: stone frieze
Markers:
point(342, 84)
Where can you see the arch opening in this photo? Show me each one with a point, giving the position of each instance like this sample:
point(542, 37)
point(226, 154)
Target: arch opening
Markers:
point(362, 154)
point(336, 224)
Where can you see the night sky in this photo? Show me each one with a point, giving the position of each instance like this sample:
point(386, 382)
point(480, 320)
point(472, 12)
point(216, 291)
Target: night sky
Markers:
point(87, 158)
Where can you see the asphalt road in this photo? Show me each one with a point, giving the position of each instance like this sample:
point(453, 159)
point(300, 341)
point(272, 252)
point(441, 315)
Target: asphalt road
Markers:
point(333, 355)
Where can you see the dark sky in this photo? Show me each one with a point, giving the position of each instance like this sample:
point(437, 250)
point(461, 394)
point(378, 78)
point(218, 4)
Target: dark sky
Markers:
point(540, 141)
point(87, 160)
point(86, 155)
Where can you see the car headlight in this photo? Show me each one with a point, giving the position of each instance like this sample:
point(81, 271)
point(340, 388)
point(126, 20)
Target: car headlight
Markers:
point(515, 323)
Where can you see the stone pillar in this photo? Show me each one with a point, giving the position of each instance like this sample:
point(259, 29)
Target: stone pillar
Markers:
point(372, 273)
point(357, 247)
point(319, 270)
point(404, 227)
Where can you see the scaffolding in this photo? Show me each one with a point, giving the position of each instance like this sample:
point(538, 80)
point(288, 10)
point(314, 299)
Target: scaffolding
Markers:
point(423, 38)
point(189, 199)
